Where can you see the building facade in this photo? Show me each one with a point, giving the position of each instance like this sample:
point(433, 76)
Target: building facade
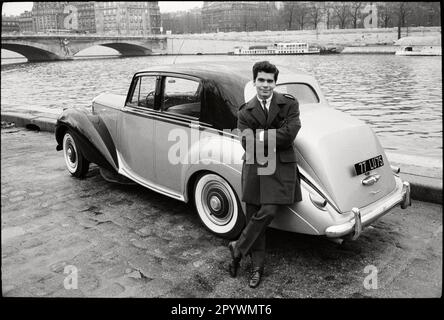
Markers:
point(10, 24)
point(127, 17)
point(110, 17)
point(26, 23)
point(85, 13)
point(48, 16)
point(238, 16)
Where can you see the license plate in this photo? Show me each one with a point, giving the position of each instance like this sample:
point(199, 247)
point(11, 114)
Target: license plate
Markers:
point(369, 164)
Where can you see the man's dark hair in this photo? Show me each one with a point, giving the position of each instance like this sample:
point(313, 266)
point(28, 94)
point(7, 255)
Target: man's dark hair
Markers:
point(265, 66)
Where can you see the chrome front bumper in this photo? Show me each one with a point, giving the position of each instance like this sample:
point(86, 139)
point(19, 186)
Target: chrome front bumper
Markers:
point(356, 225)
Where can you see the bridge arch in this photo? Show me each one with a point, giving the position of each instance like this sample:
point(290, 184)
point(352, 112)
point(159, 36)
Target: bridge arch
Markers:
point(31, 52)
point(128, 49)
point(65, 47)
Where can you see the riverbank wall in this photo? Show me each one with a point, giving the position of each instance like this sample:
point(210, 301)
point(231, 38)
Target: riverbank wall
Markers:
point(381, 39)
point(370, 41)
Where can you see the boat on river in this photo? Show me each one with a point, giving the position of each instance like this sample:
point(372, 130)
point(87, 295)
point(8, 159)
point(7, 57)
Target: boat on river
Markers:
point(419, 46)
point(281, 48)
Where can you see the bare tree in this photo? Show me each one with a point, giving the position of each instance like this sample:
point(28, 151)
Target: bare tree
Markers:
point(245, 21)
point(434, 14)
point(182, 22)
point(355, 12)
point(301, 12)
point(342, 12)
point(328, 13)
point(289, 8)
point(315, 13)
point(424, 13)
point(403, 10)
point(386, 13)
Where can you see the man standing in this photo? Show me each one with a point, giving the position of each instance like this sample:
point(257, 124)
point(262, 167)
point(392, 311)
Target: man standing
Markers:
point(265, 193)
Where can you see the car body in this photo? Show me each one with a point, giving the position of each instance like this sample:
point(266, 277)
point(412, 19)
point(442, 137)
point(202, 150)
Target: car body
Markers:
point(173, 133)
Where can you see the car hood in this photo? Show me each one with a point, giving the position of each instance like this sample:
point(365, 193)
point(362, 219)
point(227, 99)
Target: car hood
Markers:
point(328, 145)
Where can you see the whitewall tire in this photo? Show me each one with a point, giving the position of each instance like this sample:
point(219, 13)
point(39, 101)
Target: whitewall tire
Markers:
point(218, 207)
point(76, 163)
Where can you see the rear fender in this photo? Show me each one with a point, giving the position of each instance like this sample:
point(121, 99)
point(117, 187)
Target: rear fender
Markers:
point(92, 134)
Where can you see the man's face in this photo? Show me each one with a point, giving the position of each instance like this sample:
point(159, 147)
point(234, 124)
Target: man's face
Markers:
point(264, 84)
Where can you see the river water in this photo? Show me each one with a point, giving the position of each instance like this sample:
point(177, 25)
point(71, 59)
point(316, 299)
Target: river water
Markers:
point(399, 97)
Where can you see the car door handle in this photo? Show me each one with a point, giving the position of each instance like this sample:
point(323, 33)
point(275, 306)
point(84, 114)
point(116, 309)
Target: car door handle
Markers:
point(371, 180)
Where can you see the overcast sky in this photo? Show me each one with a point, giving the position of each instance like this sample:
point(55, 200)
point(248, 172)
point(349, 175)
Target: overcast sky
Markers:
point(15, 8)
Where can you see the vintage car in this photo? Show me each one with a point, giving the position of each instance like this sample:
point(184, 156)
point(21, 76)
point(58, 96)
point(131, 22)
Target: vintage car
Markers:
point(173, 133)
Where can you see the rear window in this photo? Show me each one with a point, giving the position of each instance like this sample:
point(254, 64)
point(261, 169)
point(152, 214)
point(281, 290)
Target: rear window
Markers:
point(301, 91)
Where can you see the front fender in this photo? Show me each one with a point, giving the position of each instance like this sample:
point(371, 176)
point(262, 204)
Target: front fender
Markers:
point(92, 134)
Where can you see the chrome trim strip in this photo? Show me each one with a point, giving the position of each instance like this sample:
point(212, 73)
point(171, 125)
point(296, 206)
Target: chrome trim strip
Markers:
point(180, 119)
point(159, 113)
point(321, 194)
point(213, 161)
point(169, 117)
point(123, 170)
point(157, 116)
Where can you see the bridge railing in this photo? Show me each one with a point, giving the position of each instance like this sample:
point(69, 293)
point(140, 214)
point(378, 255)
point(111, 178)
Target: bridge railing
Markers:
point(79, 35)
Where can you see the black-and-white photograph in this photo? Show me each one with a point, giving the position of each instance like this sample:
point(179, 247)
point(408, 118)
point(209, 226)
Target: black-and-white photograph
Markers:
point(212, 150)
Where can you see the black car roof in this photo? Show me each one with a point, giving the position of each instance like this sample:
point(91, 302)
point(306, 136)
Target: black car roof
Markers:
point(218, 69)
point(223, 84)
point(208, 70)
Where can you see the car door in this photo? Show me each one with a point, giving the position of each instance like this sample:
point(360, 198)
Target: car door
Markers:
point(176, 127)
point(136, 129)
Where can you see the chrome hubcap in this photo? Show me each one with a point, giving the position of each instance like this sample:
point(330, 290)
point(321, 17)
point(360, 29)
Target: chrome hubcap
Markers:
point(70, 153)
point(215, 203)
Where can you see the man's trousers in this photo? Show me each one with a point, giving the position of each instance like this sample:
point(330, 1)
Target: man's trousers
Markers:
point(252, 238)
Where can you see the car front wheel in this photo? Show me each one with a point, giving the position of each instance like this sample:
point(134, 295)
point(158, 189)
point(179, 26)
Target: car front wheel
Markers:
point(218, 207)
point(76, 163)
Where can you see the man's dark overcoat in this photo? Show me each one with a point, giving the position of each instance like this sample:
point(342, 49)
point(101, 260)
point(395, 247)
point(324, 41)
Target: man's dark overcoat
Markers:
point(283, 186)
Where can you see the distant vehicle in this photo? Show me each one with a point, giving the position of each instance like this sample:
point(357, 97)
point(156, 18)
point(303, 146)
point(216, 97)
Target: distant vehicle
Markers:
point(282, 48)
point(346, 179)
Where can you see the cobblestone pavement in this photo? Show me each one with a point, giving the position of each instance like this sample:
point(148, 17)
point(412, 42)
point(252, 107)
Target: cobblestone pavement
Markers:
point(127, 241)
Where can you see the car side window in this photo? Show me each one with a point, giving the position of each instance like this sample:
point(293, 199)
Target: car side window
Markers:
point(182, 96)
point(144, 92)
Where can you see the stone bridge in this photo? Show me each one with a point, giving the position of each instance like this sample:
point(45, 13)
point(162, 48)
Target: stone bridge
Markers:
point(65, 46)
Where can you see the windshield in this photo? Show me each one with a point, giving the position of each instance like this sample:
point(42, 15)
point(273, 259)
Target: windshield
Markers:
point(301, 91)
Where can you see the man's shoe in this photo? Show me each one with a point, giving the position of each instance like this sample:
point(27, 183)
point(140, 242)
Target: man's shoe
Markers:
point(255, 278)
point(235, 260)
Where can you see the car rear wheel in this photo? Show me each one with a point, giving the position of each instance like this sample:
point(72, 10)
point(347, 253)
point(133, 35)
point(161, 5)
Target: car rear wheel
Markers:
point(76, 163)
point(218, 207)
